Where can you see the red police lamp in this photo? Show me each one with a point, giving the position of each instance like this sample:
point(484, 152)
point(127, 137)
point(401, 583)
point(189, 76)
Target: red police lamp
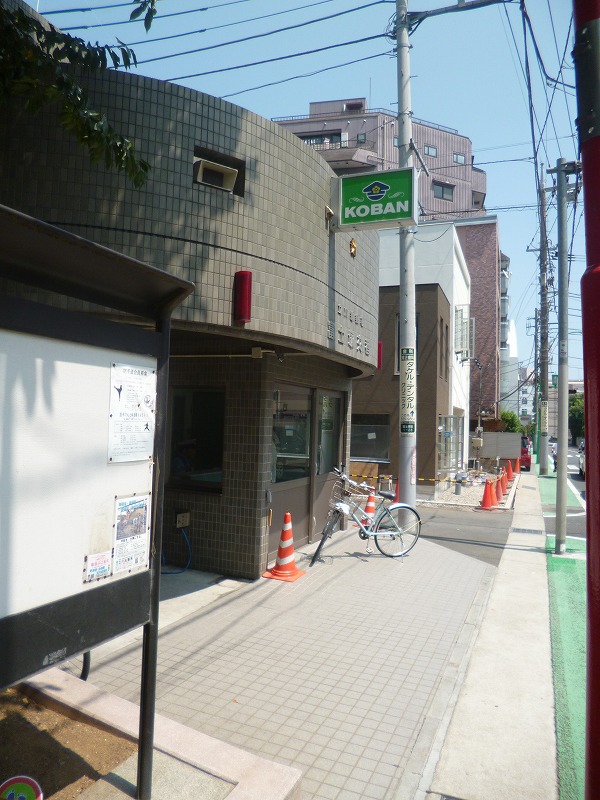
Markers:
point(242, 297)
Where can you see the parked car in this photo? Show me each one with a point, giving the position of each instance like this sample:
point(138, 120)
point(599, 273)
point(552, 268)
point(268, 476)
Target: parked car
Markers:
point(525, 458)
point(582, 459)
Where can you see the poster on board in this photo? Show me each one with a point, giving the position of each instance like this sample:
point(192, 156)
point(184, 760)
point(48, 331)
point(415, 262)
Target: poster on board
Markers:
point(131, 420)
point(132, 532)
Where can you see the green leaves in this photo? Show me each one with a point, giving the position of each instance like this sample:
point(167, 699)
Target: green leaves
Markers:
point(35, 64)
point(148, 6)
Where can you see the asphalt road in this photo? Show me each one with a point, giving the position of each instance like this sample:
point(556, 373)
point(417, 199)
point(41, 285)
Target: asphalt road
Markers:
point(473, 533)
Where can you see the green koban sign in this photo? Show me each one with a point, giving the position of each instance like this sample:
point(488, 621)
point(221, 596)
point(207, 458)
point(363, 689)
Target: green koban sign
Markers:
point(382, 199)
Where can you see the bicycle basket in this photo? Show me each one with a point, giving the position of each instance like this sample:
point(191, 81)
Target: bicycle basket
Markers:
point(338, 493)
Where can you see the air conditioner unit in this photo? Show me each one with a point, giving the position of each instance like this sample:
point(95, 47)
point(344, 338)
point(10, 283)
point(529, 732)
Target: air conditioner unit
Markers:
point(213, 174)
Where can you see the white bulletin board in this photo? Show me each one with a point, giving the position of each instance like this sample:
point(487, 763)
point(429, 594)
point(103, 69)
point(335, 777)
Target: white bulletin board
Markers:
point(76, 461)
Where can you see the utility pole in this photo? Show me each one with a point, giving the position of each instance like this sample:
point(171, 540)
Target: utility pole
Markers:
point(586, 54)
point(543, 411)
point(563, 169)
point(407, 333)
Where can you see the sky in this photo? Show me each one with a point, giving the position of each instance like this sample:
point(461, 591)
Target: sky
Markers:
point(468, 72)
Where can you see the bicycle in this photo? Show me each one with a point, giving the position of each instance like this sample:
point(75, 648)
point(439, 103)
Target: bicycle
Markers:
point(394, 528)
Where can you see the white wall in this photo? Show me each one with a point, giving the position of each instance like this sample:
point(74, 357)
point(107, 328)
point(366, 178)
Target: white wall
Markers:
point(438, 260)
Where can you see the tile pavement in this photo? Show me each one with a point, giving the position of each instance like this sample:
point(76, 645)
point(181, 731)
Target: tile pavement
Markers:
point(334, 674)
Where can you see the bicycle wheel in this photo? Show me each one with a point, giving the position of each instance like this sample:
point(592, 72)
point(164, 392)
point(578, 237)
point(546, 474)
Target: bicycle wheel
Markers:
point(397, 530)
point(332, 521)
point(79, 665)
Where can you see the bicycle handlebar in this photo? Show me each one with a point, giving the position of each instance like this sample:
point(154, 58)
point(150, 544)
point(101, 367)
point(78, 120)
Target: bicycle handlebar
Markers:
point(340, 472)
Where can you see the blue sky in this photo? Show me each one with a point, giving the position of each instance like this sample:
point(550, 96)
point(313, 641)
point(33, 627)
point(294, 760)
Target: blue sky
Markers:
point(467, 73)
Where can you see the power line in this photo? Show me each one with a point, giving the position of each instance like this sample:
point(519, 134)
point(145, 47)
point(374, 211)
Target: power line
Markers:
point(279, 58)
point(261, 35)
point(162, 16)
point(306, 75)
point(227, 24)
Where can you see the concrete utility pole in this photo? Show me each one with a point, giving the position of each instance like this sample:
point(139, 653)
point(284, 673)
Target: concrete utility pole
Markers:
point(543, 411)
point(407, 332)
point(563, 169)
point(587, 58)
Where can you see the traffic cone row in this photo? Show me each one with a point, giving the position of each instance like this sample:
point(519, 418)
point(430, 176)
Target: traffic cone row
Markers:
point(285, 568)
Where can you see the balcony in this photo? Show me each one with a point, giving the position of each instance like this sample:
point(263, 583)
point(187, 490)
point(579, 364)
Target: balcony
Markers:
point(347, 154)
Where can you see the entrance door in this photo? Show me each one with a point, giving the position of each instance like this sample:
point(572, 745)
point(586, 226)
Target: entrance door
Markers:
point(291, 463)
point(328, 451)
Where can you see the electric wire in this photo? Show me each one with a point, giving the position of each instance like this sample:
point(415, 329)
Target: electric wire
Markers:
point(278, 58)
point(245, 39)
point(162, 16)
point(305, 75)
point(227, 24)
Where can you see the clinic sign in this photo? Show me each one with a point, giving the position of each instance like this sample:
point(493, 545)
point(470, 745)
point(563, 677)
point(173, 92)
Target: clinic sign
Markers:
point(380, 199)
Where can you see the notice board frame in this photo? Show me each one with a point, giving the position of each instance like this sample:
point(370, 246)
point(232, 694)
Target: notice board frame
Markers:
point(37, 256)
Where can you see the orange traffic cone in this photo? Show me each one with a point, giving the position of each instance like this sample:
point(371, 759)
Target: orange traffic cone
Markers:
point(493, 498)
point(486, 500)
point(499, 494)
point(517, 465)
point(285, 567)
point(369, 509)
point(509, 472)
point(504, 481)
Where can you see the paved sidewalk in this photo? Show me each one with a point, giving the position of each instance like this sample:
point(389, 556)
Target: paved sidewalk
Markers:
point(336, 674)
point(384, 679)
point(501, 742)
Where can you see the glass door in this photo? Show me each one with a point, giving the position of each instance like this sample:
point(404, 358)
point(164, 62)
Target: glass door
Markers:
point(328, 451)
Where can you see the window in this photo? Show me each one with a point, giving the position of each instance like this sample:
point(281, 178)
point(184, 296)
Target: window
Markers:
point(430, 150)
point(291, 434)
point(441, 344)
point(328, 455)
point(450, 443)
point(396, 141)
point(361, 138)
point(459, 158)
point(370, 437)
point(196, 441)
point(443, 191)
point(321, 141)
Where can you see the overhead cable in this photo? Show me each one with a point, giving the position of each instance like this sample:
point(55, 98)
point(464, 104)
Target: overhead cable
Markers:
point(245, 39)
point(279, 58)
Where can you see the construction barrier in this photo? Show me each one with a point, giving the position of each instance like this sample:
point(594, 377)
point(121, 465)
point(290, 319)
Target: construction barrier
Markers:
point(285, 566)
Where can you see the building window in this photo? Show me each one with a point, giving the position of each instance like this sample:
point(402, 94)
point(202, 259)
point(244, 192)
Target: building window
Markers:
point(443, 191)
point(430, 150)
point(291, 434)
point(322, 141)
point(370, 437)
point(459, 158)
point(361, 138)
point(441, 337)
point(196, 439)
point(396, 141)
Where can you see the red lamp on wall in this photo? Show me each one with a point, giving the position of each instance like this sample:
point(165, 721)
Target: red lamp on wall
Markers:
point(242, 297)
point(379, 355)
